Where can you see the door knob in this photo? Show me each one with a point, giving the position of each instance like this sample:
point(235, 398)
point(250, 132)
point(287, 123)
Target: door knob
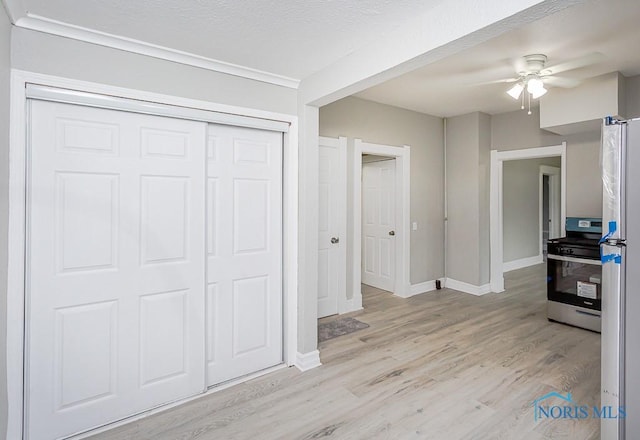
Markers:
point(335, 240)
point(392, 232)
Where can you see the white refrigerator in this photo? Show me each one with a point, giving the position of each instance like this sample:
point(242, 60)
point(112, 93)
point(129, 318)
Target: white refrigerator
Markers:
point(620, 374)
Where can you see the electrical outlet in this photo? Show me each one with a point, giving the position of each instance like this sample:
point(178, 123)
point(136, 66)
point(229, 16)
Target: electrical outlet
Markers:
point(414, 226)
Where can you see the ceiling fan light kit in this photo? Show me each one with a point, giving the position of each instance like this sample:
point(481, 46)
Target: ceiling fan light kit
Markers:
point(533, 84)
point(533, 76)
point(530, 80)
point(516, 90)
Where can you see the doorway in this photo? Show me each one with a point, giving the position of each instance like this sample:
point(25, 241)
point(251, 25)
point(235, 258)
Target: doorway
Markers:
point(496, 220)
point(527, 209)
point(378, 221)
point(550, 190)
point(399, 160)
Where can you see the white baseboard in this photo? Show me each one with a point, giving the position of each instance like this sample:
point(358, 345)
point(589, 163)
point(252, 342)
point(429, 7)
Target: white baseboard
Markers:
point(307, 361)
point(461, 286)
point(521, 263)
point(351, 305)
point(424, 287)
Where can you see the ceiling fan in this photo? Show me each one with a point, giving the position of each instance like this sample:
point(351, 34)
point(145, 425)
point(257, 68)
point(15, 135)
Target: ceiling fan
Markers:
point(533, 75)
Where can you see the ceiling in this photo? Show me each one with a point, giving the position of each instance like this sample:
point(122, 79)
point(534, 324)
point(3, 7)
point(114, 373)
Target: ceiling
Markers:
point(454, 86)
point(290, 38)
point(295, 39)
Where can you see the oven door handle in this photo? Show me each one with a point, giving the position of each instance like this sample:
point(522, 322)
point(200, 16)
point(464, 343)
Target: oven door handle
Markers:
point(574, 259)
point(581, 312)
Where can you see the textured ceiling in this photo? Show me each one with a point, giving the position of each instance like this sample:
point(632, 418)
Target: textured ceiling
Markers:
point(292, 38)
point(455, 86)
point(296, 38)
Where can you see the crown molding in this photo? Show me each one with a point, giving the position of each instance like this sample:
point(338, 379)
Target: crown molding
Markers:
point(15, 9)
point(44, 24)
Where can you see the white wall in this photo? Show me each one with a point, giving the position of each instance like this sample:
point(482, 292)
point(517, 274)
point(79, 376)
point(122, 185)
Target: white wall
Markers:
point(45, 53)
point(384, 124)
point(468, 168)
point(5, 47)
point(462, 199)
point(521, 192)
point(484, 177)
point(580, 109)
point(516, 130)
point(632, 85)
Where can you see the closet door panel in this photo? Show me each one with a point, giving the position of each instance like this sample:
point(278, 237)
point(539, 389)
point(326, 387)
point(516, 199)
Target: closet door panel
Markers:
point(115, 273)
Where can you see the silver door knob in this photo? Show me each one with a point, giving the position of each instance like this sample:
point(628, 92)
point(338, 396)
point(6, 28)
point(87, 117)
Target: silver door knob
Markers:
point(335, 240)
point(392, 232)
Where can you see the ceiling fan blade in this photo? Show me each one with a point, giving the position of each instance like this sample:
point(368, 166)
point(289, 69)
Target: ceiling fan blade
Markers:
point(557, 81)
point(576, 63)
point(498, 81)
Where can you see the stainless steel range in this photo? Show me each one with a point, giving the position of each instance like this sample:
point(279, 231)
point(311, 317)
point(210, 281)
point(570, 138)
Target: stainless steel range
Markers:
point(574, 273)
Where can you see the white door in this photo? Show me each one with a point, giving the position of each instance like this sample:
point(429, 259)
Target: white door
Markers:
point(244, 248)
point(332, 255)
point(115, 273)
point(378, 224)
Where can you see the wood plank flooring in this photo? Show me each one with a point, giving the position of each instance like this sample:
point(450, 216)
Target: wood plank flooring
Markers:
point(441, 365)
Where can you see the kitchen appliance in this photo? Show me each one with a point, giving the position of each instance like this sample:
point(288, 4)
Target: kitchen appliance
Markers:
point(620, 381)
point(574, 273)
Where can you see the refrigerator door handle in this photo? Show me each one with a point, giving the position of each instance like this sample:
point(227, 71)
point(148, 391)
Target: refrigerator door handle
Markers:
point(615, 242)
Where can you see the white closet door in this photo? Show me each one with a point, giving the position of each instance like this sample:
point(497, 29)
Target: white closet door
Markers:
point(378, 224)
point(116, 273)
point(244, 246)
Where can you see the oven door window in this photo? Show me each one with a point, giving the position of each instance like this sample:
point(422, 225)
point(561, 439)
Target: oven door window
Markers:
point(575, 282)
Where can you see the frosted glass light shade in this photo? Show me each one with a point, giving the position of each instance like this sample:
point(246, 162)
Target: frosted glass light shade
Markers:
point(535, 85)
point(515, 91)
point(538, 93)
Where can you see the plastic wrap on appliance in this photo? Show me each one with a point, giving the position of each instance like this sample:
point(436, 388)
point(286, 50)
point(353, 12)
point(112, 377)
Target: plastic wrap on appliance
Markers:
point(610, 163)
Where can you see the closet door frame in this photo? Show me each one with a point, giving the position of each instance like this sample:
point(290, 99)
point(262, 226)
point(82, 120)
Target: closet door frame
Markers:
point(15, 350)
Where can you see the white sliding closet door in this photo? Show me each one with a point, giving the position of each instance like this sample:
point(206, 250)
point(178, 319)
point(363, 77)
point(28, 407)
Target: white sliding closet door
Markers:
point(115, 272)
point(244, 247)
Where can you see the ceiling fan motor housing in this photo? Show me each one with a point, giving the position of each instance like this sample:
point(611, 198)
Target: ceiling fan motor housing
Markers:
point(535, 63)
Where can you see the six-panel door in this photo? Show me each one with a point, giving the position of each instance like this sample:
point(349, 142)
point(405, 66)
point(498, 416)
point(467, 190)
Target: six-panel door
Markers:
point(244, 252)
point(378, 224)
point(331, 246)
point(119, 308)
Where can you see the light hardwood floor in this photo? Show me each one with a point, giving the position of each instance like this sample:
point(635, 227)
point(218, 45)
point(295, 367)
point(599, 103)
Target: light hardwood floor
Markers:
point(442, 365)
